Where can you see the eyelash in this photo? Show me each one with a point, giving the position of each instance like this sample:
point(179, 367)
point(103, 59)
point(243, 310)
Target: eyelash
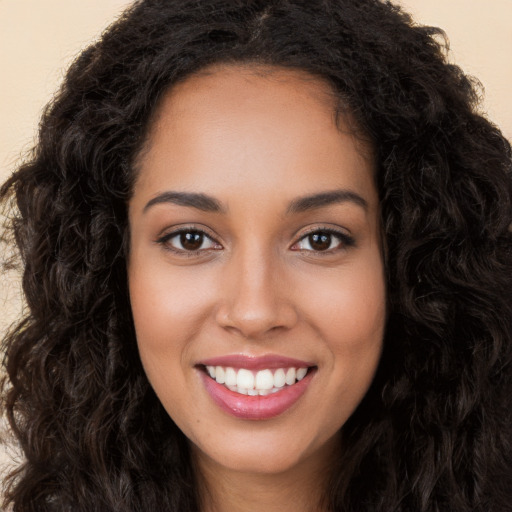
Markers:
point(165, 241)
point(345, 241)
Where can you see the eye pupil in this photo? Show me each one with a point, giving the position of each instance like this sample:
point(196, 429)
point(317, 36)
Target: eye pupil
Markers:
point(191, 240)
point(320, 241)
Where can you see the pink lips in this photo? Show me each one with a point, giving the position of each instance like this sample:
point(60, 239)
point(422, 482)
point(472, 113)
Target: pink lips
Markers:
point(255, 407)
point(256, 363)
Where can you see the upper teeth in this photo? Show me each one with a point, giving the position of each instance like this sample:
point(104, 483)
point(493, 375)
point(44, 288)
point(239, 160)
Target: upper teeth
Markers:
point(255, 383)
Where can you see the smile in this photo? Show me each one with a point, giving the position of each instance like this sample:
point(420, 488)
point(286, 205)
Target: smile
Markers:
point(261, 383)
point(256, 388)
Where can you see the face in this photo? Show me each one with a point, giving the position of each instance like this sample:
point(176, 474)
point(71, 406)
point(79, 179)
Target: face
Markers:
point(255, 269)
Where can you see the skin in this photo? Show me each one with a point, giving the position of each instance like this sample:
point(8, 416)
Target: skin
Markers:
point(256, 140)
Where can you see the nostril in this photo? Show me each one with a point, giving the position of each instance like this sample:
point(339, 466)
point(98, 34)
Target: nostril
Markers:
point(255, 326)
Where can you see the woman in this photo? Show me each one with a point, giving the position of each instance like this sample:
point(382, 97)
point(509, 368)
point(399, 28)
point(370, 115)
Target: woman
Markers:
point(267, 255)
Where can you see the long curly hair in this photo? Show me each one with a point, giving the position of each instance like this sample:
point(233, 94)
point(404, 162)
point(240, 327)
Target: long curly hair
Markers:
point(434, 432)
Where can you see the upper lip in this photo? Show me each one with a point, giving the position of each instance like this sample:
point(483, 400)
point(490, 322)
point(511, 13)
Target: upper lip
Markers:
point(270, 361)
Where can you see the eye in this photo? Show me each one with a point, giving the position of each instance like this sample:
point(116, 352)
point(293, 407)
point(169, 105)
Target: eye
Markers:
point(188, 240)
point(323, 241)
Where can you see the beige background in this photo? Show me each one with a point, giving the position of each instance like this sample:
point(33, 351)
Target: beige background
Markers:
point(39, 38)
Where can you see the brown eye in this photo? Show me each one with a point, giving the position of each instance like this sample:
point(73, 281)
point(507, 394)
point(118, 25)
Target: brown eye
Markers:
point(320, 241)
point(188, 241)
point(191, 240)
point(324, 241)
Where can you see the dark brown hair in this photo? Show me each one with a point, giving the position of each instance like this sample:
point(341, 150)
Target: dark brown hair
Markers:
point(434, 431)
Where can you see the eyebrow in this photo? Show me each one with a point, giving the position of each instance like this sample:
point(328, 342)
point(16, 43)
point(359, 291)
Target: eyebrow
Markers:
point(322, 199)
point(208, 203)
point(191, 199)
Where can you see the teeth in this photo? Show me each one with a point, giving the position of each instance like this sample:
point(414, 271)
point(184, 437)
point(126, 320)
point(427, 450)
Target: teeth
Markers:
point(244, 379)
point(230, 377)
point(261, 383)
point(279, 378)
point(290, 376)
point(264, 380)
point(220, 375)
point(301, 373)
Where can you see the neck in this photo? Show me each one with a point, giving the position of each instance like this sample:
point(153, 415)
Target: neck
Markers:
point(298, 489)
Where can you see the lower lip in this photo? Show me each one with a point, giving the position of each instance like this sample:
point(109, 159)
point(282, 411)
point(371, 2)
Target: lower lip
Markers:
point(256, 407)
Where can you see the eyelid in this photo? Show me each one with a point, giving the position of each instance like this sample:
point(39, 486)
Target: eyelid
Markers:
point(346, 240)
point(169, 233)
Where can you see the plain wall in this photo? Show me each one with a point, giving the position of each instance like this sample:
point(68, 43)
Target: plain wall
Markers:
point(39, 38)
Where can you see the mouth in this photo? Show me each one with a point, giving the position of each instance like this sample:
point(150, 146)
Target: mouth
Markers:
point(245, 381)
point(256, 388)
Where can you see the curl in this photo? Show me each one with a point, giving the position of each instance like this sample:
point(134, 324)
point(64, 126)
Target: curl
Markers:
point(434, 431)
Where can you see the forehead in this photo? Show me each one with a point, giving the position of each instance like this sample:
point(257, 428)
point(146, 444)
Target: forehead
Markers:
point(251, 83)
point(247, 125)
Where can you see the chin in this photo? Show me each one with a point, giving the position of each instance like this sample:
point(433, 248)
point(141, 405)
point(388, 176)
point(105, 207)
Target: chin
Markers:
point(267, 457)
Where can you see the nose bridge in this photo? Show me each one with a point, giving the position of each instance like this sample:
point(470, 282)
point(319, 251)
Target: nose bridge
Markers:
point(255, 299)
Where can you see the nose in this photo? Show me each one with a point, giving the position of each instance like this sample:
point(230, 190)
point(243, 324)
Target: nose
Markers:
point(256, 301)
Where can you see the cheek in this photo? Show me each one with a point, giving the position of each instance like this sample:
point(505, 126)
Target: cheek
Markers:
point(169, 309)
point(166, 303)
point(348, 311)
point(351, 301)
